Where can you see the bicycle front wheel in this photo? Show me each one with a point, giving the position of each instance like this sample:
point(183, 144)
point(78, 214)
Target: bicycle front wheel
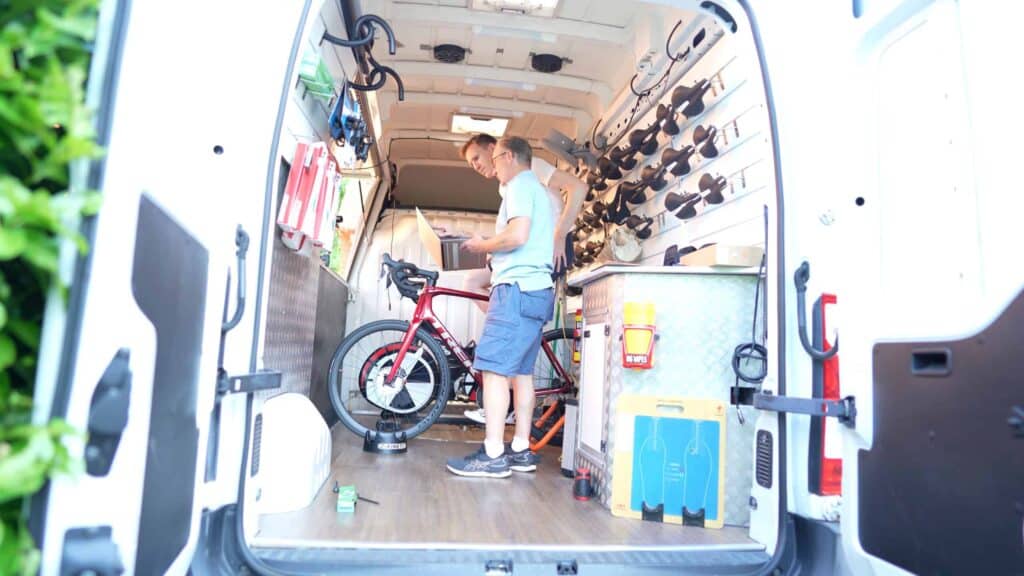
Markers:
point(358, 390)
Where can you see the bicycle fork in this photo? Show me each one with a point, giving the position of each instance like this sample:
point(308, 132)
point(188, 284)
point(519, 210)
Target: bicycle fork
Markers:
point(407, 362)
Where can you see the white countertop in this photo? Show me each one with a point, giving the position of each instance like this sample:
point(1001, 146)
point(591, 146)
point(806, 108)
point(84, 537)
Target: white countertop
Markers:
point(609, 269)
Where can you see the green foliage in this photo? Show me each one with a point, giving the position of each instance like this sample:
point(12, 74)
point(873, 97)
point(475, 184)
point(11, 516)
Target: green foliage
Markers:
point(45, 48)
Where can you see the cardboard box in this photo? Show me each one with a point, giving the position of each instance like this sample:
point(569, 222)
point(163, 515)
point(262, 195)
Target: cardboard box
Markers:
point(724, 255)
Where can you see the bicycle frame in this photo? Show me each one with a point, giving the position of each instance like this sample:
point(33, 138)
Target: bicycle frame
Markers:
point(425, 313)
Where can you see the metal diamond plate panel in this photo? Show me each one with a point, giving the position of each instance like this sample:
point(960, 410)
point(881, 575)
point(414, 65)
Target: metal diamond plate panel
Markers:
point(291, 319)
point(596, 297)
point(700, 320)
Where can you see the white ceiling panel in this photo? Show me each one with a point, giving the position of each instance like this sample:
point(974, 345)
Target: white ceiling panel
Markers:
point(573, 9)
point(598, 36)
point(618, 14)
point(448, 85)
point(483, 51)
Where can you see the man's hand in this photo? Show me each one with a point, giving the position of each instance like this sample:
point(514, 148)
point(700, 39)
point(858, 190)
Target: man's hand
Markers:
point(560, 263)
point(476, 244)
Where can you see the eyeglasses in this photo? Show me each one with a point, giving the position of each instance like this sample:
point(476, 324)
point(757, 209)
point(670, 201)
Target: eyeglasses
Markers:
point(499, 155)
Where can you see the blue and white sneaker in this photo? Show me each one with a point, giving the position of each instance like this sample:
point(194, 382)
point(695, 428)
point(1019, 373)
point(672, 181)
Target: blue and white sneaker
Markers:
point(480, 465)
point(479, 417)
point(522, 461)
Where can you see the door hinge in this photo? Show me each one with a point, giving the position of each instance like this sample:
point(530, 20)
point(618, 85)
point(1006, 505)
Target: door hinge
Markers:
point(108, 414)
point(845, 409)
point(242, 383)
point(90, 551)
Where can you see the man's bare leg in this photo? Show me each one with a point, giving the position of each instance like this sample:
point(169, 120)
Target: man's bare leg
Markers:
point(495, 408)
point(525, 401)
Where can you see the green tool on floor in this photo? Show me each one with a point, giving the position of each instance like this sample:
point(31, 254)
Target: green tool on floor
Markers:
point(347, 497)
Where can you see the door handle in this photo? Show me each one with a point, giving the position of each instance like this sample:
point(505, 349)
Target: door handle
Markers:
point(936, 362)
point(800, 278)
point(242, 244)
point(108, 414)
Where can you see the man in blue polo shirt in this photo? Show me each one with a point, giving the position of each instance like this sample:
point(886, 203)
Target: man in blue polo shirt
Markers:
point(522, 299)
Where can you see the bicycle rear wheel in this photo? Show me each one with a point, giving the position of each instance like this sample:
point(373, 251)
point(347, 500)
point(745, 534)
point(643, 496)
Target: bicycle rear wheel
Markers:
point(356, 379)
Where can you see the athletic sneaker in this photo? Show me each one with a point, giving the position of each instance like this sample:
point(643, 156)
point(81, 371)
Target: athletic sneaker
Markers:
point(479, 417)
point(480, 465)
point(522, 461)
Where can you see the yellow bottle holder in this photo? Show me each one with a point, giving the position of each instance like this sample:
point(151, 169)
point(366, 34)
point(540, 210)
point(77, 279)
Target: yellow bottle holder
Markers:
point(638, 335)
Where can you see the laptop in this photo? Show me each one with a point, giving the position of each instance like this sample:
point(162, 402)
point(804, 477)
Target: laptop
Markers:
point(447, 253)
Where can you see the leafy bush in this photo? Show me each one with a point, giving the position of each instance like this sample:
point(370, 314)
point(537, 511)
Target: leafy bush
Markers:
point(45, 47)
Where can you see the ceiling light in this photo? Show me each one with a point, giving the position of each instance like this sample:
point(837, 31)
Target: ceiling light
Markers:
point(531, 7)
point(495, 83)
point(480, 111)
point(521, 33)
point(464, 124)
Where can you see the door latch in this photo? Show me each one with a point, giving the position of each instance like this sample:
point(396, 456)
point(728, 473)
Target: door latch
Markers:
point(242, 383)
point(845, 409)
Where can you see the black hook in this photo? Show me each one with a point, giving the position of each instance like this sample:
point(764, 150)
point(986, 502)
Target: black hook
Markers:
point(378, 76)
point(800, 278)
point(364, 32)
point(365, 19)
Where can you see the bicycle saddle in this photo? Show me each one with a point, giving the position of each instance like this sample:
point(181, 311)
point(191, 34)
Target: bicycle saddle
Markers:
point(712, 186)
point(623, 158)
point(681, 160)
point(608, 169)
point(667, 117)
point(673, 201)
point(651, 145)
point(633, 192)
point(707, 137)
point(689, 208)
point(654, 177)
point(695, 100)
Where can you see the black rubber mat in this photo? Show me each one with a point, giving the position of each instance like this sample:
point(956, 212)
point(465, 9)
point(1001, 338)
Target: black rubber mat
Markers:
point(942, 488)
point(169, 285)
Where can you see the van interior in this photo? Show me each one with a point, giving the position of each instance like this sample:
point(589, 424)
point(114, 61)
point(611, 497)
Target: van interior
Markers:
point(283, 189)
point(659, 110)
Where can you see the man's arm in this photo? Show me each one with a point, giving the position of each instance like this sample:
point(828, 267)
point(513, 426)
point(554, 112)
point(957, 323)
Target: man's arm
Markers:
point(513, 236)
point(576, 191)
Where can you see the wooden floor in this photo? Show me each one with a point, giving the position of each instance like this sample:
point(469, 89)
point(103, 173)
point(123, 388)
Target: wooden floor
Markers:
point(422, 503)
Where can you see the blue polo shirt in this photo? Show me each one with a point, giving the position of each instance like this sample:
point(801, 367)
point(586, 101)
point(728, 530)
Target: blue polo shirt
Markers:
point(529, 265)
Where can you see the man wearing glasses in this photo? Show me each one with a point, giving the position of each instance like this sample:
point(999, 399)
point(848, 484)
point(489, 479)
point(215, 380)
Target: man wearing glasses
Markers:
point(521, 303)
point(479, 152)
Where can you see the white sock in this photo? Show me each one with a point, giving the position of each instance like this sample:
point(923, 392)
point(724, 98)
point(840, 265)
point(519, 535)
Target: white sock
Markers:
point(518, 444)
point(494, 450)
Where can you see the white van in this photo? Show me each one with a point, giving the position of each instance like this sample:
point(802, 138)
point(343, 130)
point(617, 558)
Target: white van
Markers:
point(870, 139)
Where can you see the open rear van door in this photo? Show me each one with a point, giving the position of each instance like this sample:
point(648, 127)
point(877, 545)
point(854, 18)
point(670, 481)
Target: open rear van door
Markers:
point(933, 308)
point(188, 102)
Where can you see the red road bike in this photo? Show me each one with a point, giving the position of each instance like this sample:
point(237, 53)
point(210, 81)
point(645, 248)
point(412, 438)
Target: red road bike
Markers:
point(398, 376)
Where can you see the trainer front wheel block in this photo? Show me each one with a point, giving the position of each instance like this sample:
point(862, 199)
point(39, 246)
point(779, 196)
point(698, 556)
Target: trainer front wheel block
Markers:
point(385, 440)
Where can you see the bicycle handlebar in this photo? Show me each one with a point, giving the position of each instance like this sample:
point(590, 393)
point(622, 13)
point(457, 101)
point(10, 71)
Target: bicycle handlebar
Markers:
point(408, 277)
